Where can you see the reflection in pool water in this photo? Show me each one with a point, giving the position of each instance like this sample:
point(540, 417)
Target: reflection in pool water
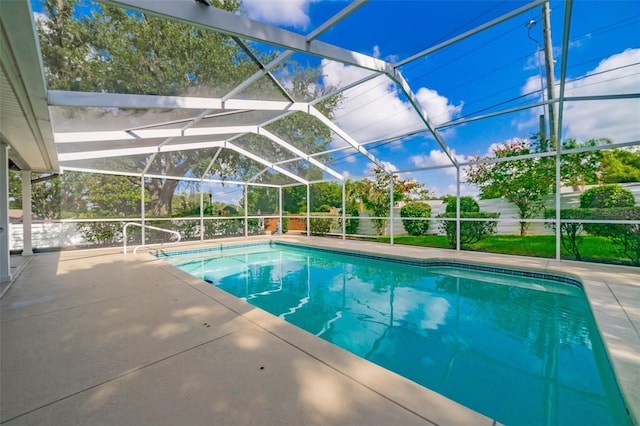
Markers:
point(518, 350)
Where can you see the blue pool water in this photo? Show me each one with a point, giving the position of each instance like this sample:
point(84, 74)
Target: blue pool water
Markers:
point(519, 350)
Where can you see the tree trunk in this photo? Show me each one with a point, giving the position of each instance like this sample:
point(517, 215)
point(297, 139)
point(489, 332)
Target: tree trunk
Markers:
point(161, 195)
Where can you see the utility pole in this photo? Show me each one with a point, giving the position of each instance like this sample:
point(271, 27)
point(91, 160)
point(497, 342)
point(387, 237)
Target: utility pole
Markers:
point(548, 62)
point(543, 118)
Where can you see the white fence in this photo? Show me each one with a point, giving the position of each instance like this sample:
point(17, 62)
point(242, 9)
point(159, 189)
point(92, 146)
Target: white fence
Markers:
point(65, 234)
point(507, 210)
point(46, 234)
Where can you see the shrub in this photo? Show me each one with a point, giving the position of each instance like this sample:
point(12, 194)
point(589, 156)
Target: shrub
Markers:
point(606, 197)
point(188, 230)
point(227, 227)
point(352, 222)
point(416, 209)
point(470, 231)
point(570, 232)
point(467, 204)
point(323, 225)
point(229, 210)
point(627, 236)
point(102, 233)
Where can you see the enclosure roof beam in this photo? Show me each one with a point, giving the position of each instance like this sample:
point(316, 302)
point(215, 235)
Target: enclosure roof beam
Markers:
point(266, 69)
point(266, 163)
point(120, 100)
point(240, 26)
point(347, 138)
point(108, 153)
point(260, 73)
point(299, 153)
point(470, 33)
point(154, 176)
point(415, 103)
point(563, 67)
point(119, 135)
point(178, 147)
point(211, 163)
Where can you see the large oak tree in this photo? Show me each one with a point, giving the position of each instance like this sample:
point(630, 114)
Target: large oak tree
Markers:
point(98, 48)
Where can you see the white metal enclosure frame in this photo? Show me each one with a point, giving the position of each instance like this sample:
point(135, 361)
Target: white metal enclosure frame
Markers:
point(189, 131)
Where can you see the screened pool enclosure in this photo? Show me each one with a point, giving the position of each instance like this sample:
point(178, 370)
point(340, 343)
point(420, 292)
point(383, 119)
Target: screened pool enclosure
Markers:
point(468, 125)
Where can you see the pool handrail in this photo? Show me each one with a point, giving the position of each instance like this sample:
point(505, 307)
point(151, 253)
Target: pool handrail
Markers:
point(135, 249)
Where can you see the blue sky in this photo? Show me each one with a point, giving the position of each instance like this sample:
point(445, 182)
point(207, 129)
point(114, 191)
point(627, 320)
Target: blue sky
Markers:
point(494, 70)
point(491, 71)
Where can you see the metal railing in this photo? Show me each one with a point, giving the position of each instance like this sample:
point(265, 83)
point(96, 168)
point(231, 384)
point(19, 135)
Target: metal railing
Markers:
point(135, 249)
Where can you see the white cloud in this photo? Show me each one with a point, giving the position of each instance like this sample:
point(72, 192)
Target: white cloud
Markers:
point(437, 107)
point(438, 158)
point(374, 110)
point(389, 166)
point(534, 61)
point(617, 119)
point(294, 13)
point(532, 86)
point(336, 74)
point(465, 189)
point(376, 51)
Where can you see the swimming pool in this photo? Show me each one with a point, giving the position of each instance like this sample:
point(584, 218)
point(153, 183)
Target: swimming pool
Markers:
point(519, 349)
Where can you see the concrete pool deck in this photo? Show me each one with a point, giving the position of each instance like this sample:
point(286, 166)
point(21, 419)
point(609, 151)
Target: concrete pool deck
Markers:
point(96, 337)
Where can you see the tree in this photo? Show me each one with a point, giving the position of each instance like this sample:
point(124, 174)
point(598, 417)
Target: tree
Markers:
point(621, 165)
point(15, 190)
point(525, 182)
point(45, 199)
point(581, 168)
point(100, 48)
point(376, 194)
point(325, 194)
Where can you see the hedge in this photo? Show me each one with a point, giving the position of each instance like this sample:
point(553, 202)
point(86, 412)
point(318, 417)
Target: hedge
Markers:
point(627, 236)
point(323, 225)
point(470, 231)
point(467, 204)
point(416, 209)
point(606, 197)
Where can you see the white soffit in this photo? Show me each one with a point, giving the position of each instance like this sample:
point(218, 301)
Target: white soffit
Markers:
point(24, 115)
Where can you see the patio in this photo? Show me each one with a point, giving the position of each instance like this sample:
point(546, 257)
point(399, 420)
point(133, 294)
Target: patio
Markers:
point(247, 126)
point(98, 337)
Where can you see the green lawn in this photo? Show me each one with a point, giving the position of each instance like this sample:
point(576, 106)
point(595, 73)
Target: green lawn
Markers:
point(593, 249)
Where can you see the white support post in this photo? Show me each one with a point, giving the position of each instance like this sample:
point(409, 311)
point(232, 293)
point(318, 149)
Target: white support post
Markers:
point(344, 210)
point(143, 210)
point(246, 210)
point(391, 209)
point(201, 210)
point(280, 211)
point(308, 210)
point(27, 249)
point(558, 206)
point(458, 208)
point(5, 260)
